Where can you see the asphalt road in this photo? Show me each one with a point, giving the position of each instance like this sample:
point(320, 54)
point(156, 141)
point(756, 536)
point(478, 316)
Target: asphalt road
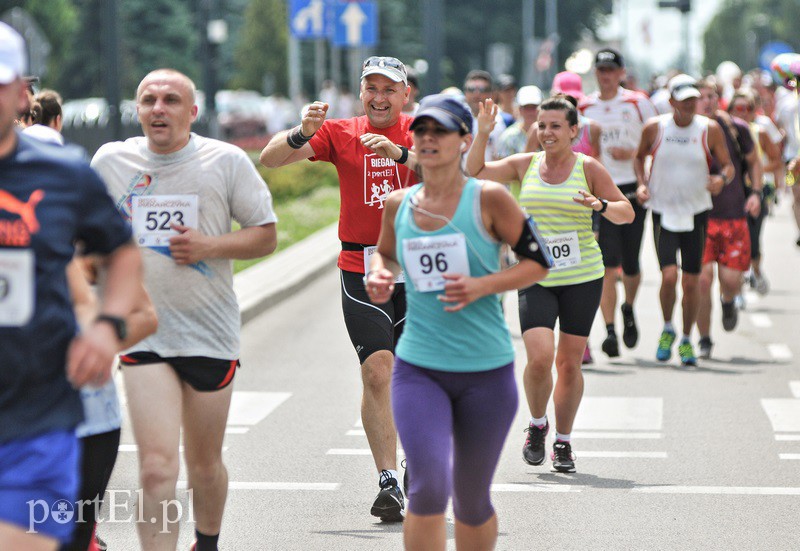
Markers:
point(668, 458)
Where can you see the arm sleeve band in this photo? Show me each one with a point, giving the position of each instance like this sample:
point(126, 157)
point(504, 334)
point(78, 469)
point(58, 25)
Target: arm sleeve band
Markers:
point(532, 245)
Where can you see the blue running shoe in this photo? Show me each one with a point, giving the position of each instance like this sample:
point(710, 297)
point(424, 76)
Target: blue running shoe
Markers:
point(665, 341)
point(686, 352)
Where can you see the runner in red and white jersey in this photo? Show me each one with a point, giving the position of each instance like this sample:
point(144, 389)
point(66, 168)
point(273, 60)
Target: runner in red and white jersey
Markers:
point(372, 158)
point(621, 114)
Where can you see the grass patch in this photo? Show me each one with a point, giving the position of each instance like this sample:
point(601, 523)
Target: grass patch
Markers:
point(298, 218)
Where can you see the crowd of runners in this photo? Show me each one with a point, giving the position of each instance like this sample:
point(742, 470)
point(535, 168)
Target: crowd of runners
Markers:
point(127, 260)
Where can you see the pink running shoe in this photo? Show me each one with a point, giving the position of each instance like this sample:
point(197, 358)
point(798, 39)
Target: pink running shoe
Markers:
point(587, 356)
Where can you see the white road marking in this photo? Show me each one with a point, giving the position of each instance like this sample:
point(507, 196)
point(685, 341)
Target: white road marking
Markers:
point(719, 490)
point(585, 435)
point(621, 455)
point(794, 386)
point(291, 486)
point(250, 408)
point(134, 448)
point(620, 414)
point(359, 424)
point(783, 413)
point(236, 430)
point(787, 437)
point(779, 351)
point(354, 451)
point(790, 456)
point(356, 432)
point(760, 320)
point(551, 488)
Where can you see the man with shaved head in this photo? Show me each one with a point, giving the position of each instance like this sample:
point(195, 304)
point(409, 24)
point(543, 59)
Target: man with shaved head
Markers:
point(181, 191)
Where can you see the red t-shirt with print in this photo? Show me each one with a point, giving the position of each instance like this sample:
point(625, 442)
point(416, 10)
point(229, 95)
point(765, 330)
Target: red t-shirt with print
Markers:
point(365, 178)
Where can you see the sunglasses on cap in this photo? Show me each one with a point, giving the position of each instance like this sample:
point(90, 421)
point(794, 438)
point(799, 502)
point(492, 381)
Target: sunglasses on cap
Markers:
point(380, 61)
point(683, 86)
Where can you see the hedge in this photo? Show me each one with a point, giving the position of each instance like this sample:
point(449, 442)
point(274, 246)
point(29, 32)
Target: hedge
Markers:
point(298, 179)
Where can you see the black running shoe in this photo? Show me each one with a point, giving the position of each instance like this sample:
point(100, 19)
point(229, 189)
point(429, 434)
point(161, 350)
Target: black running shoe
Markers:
point(611, 346)
point(730, 315)
point(390, 505)
point(563, 458)
point(404, 464)
point(533, 450)
point(705, 345)
point(630, 333)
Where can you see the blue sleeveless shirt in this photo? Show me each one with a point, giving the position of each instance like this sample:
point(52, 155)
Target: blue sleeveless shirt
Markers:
point(475, 338)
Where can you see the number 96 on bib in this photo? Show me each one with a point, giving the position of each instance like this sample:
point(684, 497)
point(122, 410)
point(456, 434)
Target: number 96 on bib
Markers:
point(426, 259)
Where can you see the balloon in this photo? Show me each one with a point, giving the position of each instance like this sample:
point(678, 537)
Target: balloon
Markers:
point(786, 69)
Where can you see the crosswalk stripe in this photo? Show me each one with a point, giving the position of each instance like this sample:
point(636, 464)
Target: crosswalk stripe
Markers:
point(760, 320)
point(549, 488)
point(586, 435)
point(621, 454)
point(718, 490)
point(291, 486)
point(779, 351)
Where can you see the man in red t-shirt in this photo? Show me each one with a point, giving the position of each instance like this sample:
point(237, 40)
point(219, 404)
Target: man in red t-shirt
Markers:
point(372, 158)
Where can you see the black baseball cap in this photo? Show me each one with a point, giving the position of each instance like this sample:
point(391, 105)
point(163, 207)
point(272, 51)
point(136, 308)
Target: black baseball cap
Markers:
point(449, 111)
point(608, 57)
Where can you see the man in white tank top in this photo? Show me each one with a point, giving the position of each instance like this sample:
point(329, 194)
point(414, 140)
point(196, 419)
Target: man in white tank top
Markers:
point(621, 115)
point(678, 189)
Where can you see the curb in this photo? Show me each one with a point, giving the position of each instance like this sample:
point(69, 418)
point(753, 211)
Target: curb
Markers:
point(275, 279)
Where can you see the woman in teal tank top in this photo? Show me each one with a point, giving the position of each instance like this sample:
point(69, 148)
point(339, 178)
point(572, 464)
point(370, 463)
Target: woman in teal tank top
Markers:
point(453, 384)
point(560, 189)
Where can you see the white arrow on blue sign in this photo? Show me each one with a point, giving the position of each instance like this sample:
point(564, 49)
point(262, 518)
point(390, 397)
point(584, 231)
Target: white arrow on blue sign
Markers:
point(355, 24)
point(308, 19)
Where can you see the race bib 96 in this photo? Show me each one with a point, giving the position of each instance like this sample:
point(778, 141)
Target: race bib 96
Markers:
point(426, 259)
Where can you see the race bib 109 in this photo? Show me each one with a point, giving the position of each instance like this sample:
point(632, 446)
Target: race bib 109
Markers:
point(565, 249)
point(426, 259)
point(153, 215)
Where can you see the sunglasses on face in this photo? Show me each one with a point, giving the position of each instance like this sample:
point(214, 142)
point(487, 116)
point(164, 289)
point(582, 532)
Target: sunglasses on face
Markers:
point(379, 61)
point(437, 131)
point(741, 107)
point(478, 89)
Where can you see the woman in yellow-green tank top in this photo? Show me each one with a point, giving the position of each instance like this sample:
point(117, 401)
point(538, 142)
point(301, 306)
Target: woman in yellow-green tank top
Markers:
point(560, 189)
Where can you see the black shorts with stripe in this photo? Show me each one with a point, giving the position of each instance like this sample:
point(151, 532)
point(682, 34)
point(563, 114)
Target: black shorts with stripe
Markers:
point(202, 373)
point(372, 327)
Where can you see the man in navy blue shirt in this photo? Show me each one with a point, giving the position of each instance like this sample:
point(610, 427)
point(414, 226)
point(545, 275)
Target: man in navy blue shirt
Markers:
point(50, 199)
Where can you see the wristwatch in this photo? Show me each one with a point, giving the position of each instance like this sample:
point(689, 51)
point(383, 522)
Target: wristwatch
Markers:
point(605, 206)
point(119, 325)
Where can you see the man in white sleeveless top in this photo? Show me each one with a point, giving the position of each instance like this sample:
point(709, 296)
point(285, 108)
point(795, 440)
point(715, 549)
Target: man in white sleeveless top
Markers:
point(678, 189)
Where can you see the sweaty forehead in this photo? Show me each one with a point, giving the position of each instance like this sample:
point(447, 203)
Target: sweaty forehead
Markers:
point(162, 85)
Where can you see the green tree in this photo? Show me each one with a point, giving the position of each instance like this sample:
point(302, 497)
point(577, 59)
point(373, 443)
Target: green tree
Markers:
point(261, 46)
point(58, 20)
point(741, 28)
point(156, 33)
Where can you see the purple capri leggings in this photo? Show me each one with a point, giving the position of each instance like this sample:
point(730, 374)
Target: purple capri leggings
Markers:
point(452, 427)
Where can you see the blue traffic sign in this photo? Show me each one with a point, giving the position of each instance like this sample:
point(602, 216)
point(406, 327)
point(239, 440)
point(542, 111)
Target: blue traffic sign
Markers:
point(309, 19)
point(355, 24)
point(770, 50)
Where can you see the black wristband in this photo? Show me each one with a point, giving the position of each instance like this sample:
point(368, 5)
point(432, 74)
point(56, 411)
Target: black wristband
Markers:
point(605, 206)
point(296, 139)
point(403, 155)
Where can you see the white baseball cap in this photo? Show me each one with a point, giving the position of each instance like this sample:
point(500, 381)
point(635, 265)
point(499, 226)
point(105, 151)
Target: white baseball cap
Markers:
point(529, 95)
point(13, 58)
point(390, 67)
point(683, 87)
